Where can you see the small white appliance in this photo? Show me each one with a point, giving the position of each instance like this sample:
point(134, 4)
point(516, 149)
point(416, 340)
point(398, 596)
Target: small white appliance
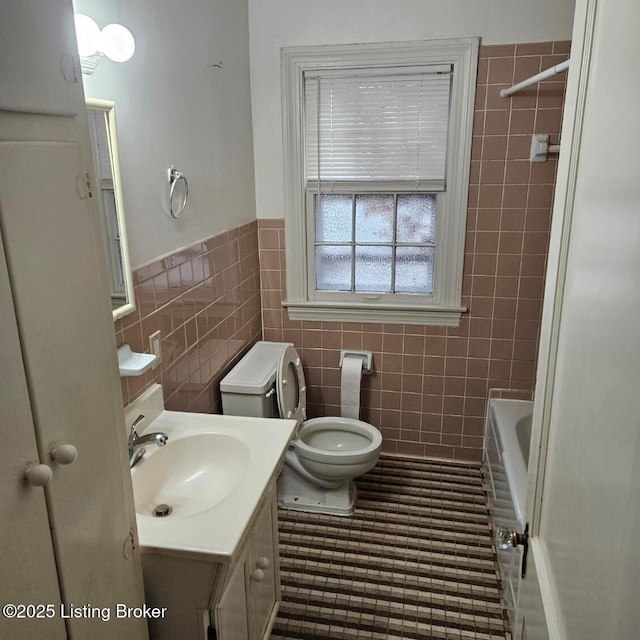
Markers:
point(325, 454)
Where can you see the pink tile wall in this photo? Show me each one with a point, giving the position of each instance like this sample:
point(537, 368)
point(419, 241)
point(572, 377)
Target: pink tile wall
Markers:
point(205, 299)
point(430, 385)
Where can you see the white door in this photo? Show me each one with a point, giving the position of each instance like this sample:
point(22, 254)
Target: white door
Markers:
point(583, 581)
point(56, 273)
point(24, 525)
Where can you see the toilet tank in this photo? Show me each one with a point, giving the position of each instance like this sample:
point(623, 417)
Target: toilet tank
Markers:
point(249, 388)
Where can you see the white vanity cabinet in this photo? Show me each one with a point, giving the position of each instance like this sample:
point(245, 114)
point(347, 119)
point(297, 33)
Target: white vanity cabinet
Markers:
point(213, 561)
point(238, 598)
point(256, 578)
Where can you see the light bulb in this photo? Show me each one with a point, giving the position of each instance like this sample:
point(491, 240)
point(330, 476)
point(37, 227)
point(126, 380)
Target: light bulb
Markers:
point(117, 43)
point(87, 33)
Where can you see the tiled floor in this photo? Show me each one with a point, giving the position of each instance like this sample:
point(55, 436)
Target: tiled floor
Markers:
point(415, 561)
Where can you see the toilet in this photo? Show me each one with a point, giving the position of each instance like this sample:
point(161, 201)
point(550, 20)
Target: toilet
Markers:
point(325, 454)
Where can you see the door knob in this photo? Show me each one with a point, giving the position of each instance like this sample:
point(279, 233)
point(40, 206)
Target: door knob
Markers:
point(504, 536)
point(263, 563)
point(38, 474)
point(508, 538)
point(64, 454)
point(257, 575)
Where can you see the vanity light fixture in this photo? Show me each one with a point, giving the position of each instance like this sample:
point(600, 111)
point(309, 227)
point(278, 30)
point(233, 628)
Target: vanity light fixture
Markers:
point(114, 41)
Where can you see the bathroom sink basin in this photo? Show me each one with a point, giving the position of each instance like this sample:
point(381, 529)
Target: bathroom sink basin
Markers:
point(190, 474)
point(213, 473)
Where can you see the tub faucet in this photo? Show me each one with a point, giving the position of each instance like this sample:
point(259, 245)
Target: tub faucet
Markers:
point(136, 442)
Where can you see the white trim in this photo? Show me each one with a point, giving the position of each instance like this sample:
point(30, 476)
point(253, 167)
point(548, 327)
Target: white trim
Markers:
point(558, 253)
point(109, 109)
point(374, 313)
point(462, 53)
point(548, 592)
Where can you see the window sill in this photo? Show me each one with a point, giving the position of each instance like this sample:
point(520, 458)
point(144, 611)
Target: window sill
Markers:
point(442, 316)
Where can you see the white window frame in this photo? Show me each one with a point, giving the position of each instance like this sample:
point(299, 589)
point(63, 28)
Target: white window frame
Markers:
point(444, 306)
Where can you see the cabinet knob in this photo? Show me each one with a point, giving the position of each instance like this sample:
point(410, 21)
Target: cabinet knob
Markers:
point(263, 562)
point(64, 454)
point(38, 474)
point(257, 575)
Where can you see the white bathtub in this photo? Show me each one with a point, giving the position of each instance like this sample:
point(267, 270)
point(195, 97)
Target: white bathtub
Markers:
point(506, 455)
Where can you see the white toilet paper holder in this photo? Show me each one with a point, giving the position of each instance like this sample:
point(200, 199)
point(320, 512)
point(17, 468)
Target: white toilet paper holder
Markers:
point(367, 359)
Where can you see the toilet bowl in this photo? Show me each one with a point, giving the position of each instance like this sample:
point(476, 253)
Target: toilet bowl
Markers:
point(325, 454)
point(330, 448)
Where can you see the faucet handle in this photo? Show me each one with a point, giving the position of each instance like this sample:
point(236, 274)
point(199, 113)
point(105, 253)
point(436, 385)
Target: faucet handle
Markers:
point(133, 434)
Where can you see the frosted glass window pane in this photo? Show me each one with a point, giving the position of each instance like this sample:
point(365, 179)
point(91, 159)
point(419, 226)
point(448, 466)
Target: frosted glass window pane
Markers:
point(373, 269)
point(414, 270)
point(416, 219)
point(374, 218)
point(333, 218)
point(333, 268)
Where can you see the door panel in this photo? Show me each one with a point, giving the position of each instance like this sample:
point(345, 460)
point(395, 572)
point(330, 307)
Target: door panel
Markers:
point(584, 508)
point(27, 550)
point(50, 229)
point(70, 362)
point(231, 613)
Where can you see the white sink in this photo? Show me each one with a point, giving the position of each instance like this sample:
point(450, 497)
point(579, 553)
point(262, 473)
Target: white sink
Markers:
point(189, 474)
point(212, 472)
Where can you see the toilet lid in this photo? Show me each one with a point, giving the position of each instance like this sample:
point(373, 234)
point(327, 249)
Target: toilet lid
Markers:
point(291, 388)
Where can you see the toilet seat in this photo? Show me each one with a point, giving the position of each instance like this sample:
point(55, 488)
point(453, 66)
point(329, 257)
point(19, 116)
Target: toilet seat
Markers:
point(337, 449)
point(291, 388)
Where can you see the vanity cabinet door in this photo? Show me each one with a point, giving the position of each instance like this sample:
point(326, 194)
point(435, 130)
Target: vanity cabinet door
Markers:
point(232, 620)
point(251, 597)
point(263, 570)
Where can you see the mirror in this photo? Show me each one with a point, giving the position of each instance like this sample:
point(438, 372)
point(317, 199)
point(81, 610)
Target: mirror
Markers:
point(104, 141)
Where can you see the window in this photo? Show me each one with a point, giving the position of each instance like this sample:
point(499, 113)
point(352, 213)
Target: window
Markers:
point(377, 150)
point(375, 243)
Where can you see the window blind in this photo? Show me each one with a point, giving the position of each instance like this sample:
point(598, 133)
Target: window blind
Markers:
point(377, 126)
point(98, 122)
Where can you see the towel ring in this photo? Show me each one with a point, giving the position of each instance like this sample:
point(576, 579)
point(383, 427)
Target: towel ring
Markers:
point(174, 177)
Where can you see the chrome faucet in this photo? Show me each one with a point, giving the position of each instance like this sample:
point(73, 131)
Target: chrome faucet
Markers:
point(136, 442)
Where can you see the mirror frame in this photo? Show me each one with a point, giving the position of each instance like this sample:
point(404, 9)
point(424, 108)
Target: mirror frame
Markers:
point(109, 109)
